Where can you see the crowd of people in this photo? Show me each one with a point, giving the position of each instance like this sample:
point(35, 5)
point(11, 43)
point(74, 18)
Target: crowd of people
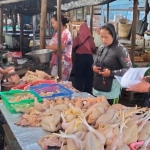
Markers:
point(96, 77)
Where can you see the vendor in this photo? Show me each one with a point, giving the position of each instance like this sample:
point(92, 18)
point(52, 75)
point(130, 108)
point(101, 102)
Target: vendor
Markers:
point(66, 47)
point(4, 72)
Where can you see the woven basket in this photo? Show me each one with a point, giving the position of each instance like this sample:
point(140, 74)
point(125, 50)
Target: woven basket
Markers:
point(124, 28)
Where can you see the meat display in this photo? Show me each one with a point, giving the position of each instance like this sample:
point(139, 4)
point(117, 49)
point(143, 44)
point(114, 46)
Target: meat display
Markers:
point(89, 124)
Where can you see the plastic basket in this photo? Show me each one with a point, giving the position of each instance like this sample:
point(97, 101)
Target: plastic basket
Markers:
point(23, 103)
point(56, 90)
point(26, 86)
point(21, 87)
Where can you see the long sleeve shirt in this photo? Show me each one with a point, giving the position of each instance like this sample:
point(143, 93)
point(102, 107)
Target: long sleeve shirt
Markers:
point(116, 58)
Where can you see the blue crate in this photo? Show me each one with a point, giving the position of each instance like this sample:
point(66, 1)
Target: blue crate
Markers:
point(63, 91)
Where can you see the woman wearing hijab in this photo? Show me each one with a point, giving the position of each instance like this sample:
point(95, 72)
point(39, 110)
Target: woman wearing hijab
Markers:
point(84, 45)
point(66, 46)
point(112, 59)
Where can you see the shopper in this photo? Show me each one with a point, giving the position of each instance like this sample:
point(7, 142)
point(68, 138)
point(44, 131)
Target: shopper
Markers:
point(112, 59)
point(83, 45)
point(66, 47)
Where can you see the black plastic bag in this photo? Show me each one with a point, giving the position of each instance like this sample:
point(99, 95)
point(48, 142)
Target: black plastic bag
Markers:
point(141, 27)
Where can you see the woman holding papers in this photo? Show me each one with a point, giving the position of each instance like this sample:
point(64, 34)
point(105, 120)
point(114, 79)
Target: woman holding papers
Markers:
point(112, 59)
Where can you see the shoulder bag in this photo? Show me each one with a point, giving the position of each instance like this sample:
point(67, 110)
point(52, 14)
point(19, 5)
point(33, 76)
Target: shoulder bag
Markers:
point(102, 83)
point(76, 47)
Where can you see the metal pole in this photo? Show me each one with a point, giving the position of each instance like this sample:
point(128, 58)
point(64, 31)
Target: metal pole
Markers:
point(34, 29)
point(108, 12)
point(59, 39)
point(1, 25)
point(42, 23)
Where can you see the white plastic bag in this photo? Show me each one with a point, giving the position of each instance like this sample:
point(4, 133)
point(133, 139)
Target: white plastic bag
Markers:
point(54, 71)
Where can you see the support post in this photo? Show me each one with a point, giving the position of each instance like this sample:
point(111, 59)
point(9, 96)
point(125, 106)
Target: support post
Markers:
point(134, 30)
point(1, 25)
point(14, 21)
point(83, 14)
point(43, 23)
point(59, 39)
point(6, 23)
point(34, 29)
point(108, 12)
point(75, 12)
point(91, 19)
point(131, 94)
point(21, 33)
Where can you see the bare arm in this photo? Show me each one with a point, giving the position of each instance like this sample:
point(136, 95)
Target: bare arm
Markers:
point(5, 71)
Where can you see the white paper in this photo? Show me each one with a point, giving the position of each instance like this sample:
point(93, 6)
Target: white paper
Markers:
point(131, 77)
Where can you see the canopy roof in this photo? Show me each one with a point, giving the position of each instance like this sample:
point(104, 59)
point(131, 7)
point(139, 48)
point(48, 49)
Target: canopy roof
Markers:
point(32, 7)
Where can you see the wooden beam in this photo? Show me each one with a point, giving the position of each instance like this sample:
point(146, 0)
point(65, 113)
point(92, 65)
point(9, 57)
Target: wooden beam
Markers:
point(6, 23)
point(21, 33)
point(75, 13)
point(14, 22)
point(43, 23)
point(123, 9)
point(83, 14)
point(108, 12)
point(59, 39)
point(10, 1)
point(34, 29)
point(91, 19)
point(1, 25)
point(134, 30)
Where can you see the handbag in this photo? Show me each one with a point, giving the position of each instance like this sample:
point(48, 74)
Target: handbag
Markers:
point(101, 83)
point(76, 47)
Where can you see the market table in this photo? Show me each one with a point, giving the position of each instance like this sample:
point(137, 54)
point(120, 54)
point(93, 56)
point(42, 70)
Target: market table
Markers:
point(20, 138)
point(25, 138)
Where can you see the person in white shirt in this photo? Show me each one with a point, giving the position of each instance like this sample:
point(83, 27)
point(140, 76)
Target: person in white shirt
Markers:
point(9, 21)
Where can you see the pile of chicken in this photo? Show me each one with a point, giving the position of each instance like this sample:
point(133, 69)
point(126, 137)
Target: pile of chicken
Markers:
point(35, 76)
point(89, 124)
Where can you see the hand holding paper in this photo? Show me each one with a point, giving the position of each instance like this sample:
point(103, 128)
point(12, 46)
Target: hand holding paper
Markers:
point(132, 77)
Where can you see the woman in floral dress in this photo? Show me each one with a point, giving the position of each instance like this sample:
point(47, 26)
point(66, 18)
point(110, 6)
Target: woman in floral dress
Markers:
point(66, 46)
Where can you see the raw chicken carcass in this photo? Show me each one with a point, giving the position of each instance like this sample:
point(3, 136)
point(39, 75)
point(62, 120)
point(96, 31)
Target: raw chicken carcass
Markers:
point(49, 140)
point(91, 142)
point(52, 122)
point(93, 114)
point(145, 133)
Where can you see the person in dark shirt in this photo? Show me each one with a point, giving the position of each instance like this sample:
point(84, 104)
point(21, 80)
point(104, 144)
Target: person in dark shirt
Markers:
point(112, 59)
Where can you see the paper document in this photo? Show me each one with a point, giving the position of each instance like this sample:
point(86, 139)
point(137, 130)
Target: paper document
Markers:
point(131, 77)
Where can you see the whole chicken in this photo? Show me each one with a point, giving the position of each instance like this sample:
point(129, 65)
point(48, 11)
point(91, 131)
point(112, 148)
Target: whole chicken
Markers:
point(52, 122)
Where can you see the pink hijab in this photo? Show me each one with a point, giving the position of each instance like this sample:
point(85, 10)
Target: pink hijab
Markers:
point(84, 32)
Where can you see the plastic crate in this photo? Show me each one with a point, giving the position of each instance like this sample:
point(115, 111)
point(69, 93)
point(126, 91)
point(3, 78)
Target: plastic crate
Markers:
point(21, 87)
point(24, 103)
point(57, 90)
point(26, 86)
point(42, 82)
